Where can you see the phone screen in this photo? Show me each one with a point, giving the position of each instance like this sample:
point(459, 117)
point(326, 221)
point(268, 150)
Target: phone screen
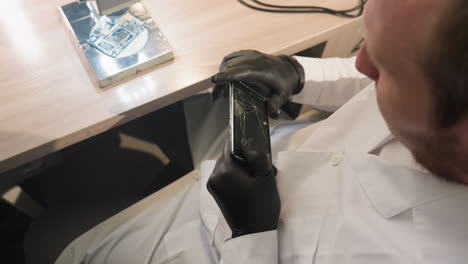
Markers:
point(248, 118)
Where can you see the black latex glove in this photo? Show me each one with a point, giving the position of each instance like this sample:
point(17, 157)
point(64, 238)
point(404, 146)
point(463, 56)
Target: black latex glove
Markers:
point(275, 77)
point(246, 192)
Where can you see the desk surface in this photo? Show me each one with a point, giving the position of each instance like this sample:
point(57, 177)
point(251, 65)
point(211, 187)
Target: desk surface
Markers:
point(48, 101)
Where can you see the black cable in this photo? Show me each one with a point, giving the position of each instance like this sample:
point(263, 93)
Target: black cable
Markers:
point(305, 9)
point(302, 7)
point(360, 6)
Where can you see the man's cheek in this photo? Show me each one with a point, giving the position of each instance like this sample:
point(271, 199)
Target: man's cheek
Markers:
point(387, 102)
point(393, 121)
point(382, 96)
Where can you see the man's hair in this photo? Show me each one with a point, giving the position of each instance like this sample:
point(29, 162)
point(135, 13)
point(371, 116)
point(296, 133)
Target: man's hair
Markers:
point(448, 67)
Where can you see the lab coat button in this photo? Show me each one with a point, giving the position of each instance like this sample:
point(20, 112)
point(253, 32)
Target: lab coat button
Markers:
point(335, 159)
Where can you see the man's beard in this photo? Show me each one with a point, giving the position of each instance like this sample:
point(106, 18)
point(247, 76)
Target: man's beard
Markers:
point(440, 155)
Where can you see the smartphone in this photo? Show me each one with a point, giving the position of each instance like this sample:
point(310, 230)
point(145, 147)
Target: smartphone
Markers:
point(248, 119)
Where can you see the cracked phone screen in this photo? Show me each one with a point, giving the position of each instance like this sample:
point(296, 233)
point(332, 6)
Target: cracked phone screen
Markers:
point(249, 119)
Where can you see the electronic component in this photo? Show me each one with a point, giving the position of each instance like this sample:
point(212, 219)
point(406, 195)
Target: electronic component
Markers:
point(112, 34)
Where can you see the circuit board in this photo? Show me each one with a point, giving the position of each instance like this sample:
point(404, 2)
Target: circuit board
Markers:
point(111, 35)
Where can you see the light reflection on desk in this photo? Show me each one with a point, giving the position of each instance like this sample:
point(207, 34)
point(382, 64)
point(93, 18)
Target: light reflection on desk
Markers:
point(137, 95)
point(20, 33)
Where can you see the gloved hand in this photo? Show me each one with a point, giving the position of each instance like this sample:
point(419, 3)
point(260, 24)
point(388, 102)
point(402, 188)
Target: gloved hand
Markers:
point(246, 193)
point(274, 77)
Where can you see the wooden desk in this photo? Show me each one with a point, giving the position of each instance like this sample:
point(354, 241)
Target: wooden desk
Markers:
point(48, 101)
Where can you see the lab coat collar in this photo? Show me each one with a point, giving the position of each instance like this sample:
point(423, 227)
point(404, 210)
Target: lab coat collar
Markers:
point(357, 126)
point(393, 189)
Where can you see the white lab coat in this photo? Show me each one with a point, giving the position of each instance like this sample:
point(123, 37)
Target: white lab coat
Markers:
point(350, 194)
